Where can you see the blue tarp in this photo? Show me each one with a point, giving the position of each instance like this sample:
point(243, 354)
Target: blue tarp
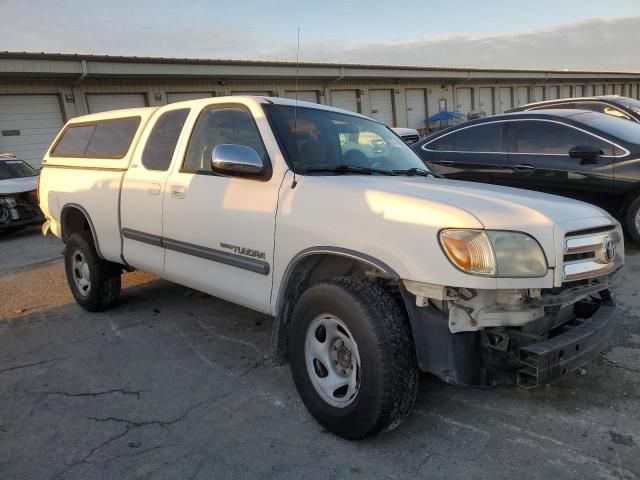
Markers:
point(443, 116)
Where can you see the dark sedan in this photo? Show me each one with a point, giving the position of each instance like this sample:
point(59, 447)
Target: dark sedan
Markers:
point(585, 155)
point(614, 105)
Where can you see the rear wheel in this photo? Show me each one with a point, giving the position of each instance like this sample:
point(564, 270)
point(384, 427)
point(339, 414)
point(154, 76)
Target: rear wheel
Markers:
point(94, 282)
point(352, 357)
point(632, 220)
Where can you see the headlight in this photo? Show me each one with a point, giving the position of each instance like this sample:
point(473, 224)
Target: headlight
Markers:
point(494, 253)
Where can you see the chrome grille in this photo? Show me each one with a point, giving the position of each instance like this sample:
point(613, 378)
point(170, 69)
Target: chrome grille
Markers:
point(591, 253)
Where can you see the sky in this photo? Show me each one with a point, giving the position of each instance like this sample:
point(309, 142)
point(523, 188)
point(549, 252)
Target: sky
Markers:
point(557, 34)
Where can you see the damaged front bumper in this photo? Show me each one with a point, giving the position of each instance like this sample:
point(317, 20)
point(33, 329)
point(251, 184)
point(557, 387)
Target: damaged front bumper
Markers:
point(19, 210)
point(561, 341)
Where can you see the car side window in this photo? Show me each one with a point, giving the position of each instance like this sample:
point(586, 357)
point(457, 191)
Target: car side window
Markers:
point(443, 144)
point(485, 138)
point(537, 137)
point(217, 126)
point(162, 140)
point(568, 105)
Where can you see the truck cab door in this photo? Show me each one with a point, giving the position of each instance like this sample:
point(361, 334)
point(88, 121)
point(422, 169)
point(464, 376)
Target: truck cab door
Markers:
point(219, 230)
point(141, 201)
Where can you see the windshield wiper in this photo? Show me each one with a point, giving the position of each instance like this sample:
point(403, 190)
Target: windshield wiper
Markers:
point(418, 172)
point(347, 169)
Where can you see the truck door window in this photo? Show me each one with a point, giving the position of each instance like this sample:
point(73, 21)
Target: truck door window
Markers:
point(163, 138)
point(217, 126)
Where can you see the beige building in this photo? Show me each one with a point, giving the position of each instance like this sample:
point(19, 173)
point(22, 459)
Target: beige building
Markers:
point(39, 92)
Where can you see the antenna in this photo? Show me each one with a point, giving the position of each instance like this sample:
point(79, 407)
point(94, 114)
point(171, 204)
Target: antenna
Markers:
point(295, 110)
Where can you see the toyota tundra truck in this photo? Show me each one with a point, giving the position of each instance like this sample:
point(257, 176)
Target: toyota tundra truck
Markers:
point(373, 268)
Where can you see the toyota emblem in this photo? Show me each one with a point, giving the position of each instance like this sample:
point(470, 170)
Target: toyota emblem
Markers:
point(609, 250)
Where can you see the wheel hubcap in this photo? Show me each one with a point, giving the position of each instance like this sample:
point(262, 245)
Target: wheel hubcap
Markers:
point(81, 274)
point(333, 361)
point(638, 221)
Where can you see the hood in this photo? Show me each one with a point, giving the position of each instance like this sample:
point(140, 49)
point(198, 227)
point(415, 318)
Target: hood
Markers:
point(18, 185)
point(433, 204)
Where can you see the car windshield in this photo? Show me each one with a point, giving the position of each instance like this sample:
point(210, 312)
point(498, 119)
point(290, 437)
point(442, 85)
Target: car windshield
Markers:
point(15, 169)
point(324, 142)
point(630, 103)
point(618, 127)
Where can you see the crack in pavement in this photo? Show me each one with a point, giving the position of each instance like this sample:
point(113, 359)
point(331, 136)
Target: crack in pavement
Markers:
point(28, 365)
point(131, 425)
point(121, 391)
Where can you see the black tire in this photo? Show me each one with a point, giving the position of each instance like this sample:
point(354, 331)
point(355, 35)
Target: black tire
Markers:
point(630, 220)
point(104, 288)
point(389, 372)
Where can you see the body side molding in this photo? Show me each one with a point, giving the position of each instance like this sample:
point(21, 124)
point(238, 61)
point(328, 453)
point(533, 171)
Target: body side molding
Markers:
point(227, 258)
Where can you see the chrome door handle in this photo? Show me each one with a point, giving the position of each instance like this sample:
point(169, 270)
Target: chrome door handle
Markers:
point(524, 166)
point(154, 189)
point(177, 192)
point(445, 162)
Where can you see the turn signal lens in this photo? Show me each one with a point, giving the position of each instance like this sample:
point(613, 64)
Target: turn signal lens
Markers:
point(469, 250)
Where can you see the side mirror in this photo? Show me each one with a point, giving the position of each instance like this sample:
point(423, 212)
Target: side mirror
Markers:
point(236, 160)
point(586, 153)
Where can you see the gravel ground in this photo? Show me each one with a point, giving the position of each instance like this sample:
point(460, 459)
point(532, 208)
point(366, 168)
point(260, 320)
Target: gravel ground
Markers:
point(176, 384)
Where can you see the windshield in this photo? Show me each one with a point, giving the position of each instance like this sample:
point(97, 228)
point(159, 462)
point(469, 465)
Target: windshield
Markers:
point(630, 103)
point(320, 141)
point(15, 169)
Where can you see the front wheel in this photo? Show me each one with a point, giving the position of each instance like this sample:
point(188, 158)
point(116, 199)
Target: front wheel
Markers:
point(352, 357)
point(632, 220)
point(94, 282)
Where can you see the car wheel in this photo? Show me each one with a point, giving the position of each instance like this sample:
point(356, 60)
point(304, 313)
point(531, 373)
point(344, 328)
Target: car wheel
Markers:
point(94, 282)
point(352, 357)
point(632, 220)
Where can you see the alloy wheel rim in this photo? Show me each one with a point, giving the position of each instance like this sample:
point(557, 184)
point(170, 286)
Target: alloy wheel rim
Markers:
point(332, 360)
point(81, 273)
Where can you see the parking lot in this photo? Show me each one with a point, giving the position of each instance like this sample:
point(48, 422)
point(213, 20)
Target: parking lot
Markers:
point(173, 383)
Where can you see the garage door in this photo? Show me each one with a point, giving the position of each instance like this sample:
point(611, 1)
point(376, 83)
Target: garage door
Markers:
point(28, 124)
point(578, 91)
point(182, 96)
point(259, 93)
point(303, 96)
point(416, 108)
point(486, 100)
point(565, 91)
point(521, 96)
point(538, 94)
point(103, 102)
point(346, 99)
point(552, 93)
point(465, 100)
point(599, 90)
point(382, 106)
point(504, 98)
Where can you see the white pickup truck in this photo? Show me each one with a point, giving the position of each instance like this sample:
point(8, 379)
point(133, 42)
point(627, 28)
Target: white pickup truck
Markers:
point(373, 268)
